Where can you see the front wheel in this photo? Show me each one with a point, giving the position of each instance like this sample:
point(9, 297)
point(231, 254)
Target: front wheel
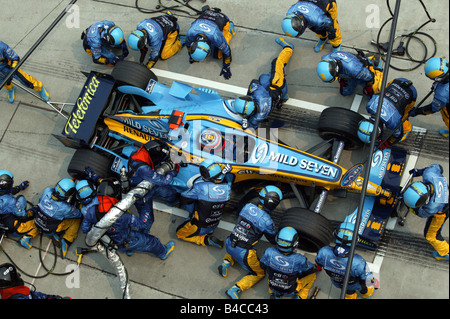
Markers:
point(342, 124)
point(314, 230)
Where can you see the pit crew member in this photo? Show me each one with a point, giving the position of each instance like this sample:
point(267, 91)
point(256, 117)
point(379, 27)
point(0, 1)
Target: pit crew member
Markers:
point(318, 15)
point(161, 34)
point(334, 261)
point(429, 199)
point(290, 273)
point(211, 33)
point(102, 39)
point(205, 201)
point(351, 70)
point(437, 70)
point(8, 61)
point(267, 92)
point(253, 222)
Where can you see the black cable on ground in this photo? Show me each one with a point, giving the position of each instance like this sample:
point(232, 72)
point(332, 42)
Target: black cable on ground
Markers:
point(402, 50)
point(175, 8)
point(48, 271)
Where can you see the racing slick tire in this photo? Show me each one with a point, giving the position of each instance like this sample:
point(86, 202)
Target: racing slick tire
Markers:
point(83, 158)
point(342, 124)
point(132, 73)
point(314, 230)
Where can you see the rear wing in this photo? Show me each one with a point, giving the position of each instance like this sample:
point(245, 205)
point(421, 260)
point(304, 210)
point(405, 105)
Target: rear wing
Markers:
point(90, 104)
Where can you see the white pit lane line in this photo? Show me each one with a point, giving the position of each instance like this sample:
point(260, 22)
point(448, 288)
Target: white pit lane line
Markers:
point(199, 82)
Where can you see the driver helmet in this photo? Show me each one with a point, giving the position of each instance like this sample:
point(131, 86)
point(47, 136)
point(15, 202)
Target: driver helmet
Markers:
point(199, 49)
point(85, 191)
point(211, 171)
point(9, 277)
point(287, 240)
point(436, 68)
point(137, 40)
point(211, 139)
point(245, 106)
point(114, 36)
point(6, 180)
point(365, 130)
point(328, 70)
point(294, 25)
point(416, 195)
point(64, 189)
point(270, 197)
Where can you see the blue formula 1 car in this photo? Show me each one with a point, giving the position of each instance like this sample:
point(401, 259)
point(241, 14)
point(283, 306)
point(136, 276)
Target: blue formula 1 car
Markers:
point(116, 113)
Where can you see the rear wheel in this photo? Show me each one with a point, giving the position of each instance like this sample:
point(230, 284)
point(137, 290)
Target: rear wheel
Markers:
point(132, 73)
point(342, 124)
point(314, 230)
point(83, 158)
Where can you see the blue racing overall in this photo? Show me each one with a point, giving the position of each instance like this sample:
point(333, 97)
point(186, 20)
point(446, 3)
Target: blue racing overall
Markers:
point(100, 50)
point(206, 202)
point(140, 167)
point(289, 274)
point(253, 222)
point(217, 28)
point(8, 61)
point(321, 18)
point(436, 210)
point(355, 70)
point(269, 90)
point(399, 99)
point(128, 232)
point(162, 37)
point(334, 261)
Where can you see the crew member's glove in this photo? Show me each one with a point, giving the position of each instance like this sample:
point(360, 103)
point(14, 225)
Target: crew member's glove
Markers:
point(113, 61)
point(244, 124)
point(24, 185)
point(226, 72)
point(416, 172)
point(150, 64)
point(91, 175)
point(226, 169)
point(125, 52)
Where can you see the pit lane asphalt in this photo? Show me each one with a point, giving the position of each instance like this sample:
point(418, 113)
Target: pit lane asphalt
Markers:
point(27, 148)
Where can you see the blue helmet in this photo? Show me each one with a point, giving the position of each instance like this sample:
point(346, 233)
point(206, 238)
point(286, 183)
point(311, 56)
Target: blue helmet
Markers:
point(328, 70)
point(293, 25)
point(270, 197)
point(245, 106)
point(211, 171)
point(199, 49)
point(64, 189)
point(365, 130)
point(344, 235)
point(416, 195)
point(287, 240)
point(6, 180)
point(136, 40)
point(436, 68)
point(85, 191)
point(114, 35)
